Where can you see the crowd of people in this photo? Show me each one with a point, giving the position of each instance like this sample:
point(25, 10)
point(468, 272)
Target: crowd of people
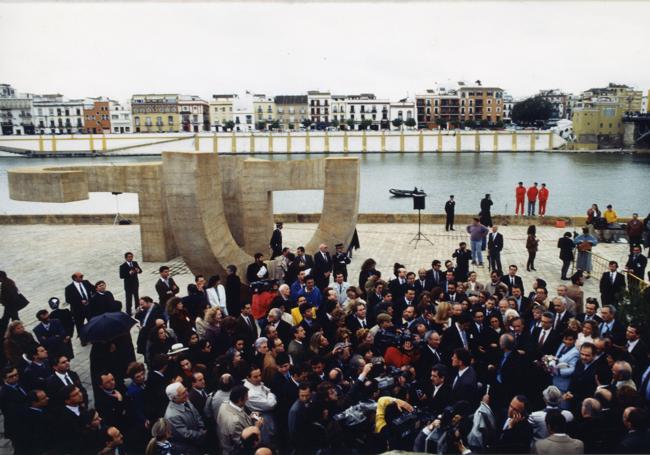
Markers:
point(304, 359)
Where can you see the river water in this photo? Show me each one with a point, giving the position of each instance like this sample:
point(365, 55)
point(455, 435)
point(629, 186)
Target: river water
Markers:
point(575, 180)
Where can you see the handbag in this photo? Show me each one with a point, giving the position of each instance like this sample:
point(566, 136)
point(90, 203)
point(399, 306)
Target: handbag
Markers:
point(21, 302)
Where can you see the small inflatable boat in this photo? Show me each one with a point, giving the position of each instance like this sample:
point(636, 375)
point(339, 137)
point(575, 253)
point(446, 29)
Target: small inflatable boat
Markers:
point(406, 193)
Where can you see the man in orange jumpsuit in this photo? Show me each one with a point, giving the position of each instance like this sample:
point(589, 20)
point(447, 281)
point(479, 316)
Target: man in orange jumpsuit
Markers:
point(532, 199)
point(520, 195)
point(543, 197)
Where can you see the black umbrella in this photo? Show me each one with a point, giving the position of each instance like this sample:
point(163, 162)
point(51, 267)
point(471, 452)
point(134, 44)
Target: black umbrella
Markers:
point(106, 327)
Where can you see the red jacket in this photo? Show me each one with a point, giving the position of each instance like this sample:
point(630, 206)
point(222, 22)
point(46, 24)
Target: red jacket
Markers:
point(532, 193)
point(543, 194)
point(520, 192)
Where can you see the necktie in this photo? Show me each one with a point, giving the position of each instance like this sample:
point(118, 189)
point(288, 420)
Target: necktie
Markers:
point(82, 291)
point(455, 381)
point(557, 321)
point(605, 328)
point(542, 338)
point(464, 338)
point(563, 350)
point(187, 407)
point(68, 381)
point(612, 275)
point(512, 281)
point(340, 289)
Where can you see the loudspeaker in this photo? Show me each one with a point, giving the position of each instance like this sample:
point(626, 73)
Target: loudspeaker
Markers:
point(418, 201)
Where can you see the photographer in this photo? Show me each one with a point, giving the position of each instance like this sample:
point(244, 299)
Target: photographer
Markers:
point(448, 432)
point(388, 408)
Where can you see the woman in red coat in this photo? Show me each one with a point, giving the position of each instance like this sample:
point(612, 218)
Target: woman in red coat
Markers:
point(404, 355)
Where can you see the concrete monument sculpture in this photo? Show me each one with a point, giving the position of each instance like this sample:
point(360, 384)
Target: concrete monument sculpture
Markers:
point(213, 210)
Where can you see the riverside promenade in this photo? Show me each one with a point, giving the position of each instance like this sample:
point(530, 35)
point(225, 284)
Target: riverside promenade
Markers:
point(41, 258)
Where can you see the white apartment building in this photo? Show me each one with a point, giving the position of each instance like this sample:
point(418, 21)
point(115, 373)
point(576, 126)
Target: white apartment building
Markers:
point(120, 117)
point(508, 104)
point(338, 109)
point(367, 107)
point(15, 112)
point(243, 114)
point(53, 114)
point(402, 110)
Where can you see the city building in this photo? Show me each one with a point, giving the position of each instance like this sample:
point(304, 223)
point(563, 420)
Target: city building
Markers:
point(319, 108)
point(481, 104)
point(243, 114)
point(264, 108)
point(337, 110)
point(97, 118)
point(508, 104)
point(403, 110)
point(438, 108)
point(53, 114)
point(15, 111)
point(366, 108)
point(221, 111)
point(194, 114)
point(291, 111)
point(558, 100)
point(644, 103)
point(120, 118)
point(598, 123)
point(626, 97)
point(153, 113)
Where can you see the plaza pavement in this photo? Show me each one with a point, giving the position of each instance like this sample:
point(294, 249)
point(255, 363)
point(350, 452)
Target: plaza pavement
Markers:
point(41, 259)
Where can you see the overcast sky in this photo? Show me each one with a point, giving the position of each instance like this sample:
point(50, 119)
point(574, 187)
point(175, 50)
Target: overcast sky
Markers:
point(387, 48)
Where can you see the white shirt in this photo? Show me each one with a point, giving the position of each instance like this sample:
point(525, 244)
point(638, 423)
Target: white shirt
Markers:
point(631, 345)
point(217, 298)
point(64, 378)
point(260, 397)
point(435, 389)
point(74, 409)
point(543, 335)
point(82, 291)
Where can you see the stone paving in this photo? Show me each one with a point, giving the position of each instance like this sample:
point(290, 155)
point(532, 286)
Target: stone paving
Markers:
point(41, 258)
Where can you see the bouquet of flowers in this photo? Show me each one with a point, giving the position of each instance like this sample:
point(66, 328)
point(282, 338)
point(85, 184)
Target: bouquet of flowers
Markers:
point(551, 364)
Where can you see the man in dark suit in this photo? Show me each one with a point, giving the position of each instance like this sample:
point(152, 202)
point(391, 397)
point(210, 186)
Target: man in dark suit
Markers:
point(197, 393)
point(457, 335)
point(524, 305)
point(39, 369)
point(512, 279)
point(129, 271)
point(166, 286)
point(155, 399)
point(51, 334)
point(358, 320)
point(450, 208)
point(246, 326)
point(439, 393)
point(63, 376)
point(147, 314)
point(78, 294)
point(452, 296)
point(636, 264)
point(304, 261)
point(69, 426)
point(562, 315)
point(38, 423)
point(13, 403)
point(283, 328)
point(508, 371)
point(423, 282)
point(341, 261)
point(612, 285)
point(464, 383)
point(637, 350)
point(495, 245)
point(516, 432)
point(610, 327)
point(323, 267)
point(276, 241)
point(398, 285)
point(591, 307)
point(430, 355)
point(111, 403)
point(636, 436)
point(544, 340)
point(436, 275)
point(583, 380)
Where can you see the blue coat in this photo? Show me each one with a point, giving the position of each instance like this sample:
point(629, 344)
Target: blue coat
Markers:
point(562, 376)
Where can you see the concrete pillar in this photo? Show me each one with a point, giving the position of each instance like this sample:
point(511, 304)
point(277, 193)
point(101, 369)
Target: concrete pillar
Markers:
point(401, 141)
point(251, 143)
point(439, 147)
point(495, 141)
point(477, 142)
point(233, 143)
point(458, 141)
point(215, 143)
point(41, 143)
point(363, 142)
point(514, 141)
point(327, 142)
point(629, 129)
point(197, 143)
point(345, 141)
point(421, 142)
point(307, 142)
point(103, 142)
point(288, 142)
point(54, 142)
point(383, 141)
point(91, 143)
point(532, 142)
point(270, 142)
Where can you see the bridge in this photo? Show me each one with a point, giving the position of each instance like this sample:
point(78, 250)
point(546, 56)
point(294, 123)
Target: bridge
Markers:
point(637, 131)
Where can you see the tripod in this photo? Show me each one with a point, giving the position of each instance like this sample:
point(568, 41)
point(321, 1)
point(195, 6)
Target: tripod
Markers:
point(118, 217)
point(420, 236)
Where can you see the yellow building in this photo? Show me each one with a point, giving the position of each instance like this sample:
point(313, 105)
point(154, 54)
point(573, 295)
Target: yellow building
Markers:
point(481, 103)
point(264, 109)
point(155, 113)
point(598, 124)
point(221, 111)
point(626, 97)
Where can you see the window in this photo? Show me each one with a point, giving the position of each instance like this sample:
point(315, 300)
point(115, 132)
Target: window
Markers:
point(489, 101)
point(489, 109)
point(170, 120)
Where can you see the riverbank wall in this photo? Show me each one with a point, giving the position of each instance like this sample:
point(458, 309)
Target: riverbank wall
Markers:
point(364, 218)
point(305, 142)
